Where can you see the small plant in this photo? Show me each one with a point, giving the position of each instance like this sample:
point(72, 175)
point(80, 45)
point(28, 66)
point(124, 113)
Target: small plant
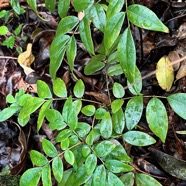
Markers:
point(94, 150)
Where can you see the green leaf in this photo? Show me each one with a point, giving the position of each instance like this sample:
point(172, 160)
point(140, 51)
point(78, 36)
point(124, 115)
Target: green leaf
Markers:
point(71, 50)
point(114, 180)
point(178, 104)
point(157, 118)
point(104, 148)
point(37, 158)
point(88, 110)
point(98, 16)
point(9, 42)
point(95, 64)
point(41, 116)
point(115, 70)
point(138, 138)
point(90, 164)
point(116, 105)
point(106, 126)
point(85, 150)
point(50, 5)
point(77, 105)
point(49, 148)
point(59, 88)
point(116, 166)
point(99, 176)
point(16, 6)
point(92, 136)
point(72, 119)
point(8, 112)
point(46, 175)
point(66, 175)
point(143, 17)
point(55, 118)
point(114, 7)
point(136, 87)
point(43, 90)
point(81, 5)
point(57, 168)
point(66, 25)
point(63, 6)
point(3, 30)
point(31, 104)
point(112, 30)
point(63, 135)
point(73, 140)
point(79, 89)
point(65, 144)
point(128, 178)
point(31, 177)
point(100, 112)
point(127, 55)
point(10, 99)
point(85, 34)
point(118, 121)
point(69, 157)
point(67, 108)
point(145, 180)
point(118, 90)
point(17, 31)
point(56, 56)
point(23, 121)
point(83, 129)
point(133, 111)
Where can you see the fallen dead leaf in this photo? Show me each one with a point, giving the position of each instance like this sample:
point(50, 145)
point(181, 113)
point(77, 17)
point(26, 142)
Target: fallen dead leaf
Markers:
point(182, 71)
point(173, 56)
point(165, 73)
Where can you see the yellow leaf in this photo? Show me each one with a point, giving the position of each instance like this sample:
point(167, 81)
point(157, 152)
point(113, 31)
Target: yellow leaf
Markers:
point(165, 73)
point(26, 58)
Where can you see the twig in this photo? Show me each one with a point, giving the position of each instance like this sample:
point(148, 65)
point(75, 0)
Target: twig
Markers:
point(7, 57)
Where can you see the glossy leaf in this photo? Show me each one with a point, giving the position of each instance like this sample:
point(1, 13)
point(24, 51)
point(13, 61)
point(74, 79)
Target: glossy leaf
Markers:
point(79, 89)
point(57, 168)
point(157, 118)
point(118, 90)
point(138, 138)
point(85, 150)
point(37, 158)
point(63, 6)
point(63, 135)
point(100, 112)
point(31, 177)
point(118, 120)
point(90, 164)
point(88, 110)
point(50, 5)
point(165, 73)
point(98, 16)
point(10, 99)
point(43, 90)
point(85, 34)
point(143, 17)
point(72, 120)
point(41, 115)
point(133, 111)
point(59, 88)
point(71, 50)
point(128, 178)
point(55, 118)
point(31, 104)
point(136, 87)
point(82, 129)
point(95, 64)
point(49, 148)
point(66, 25)
point(116, 105)
point(112, 30)
point(104, 148)
point(116, 166)
point(77, 105)
point(16, 6)
point(56, 56)
point(106, 126)
point(69, 157)
point(81, 5)
point(178, 104)
point(114, 7)
point(46, 175)
point(67, 108)
point(127, 55)
point(115, 70)
point(145, 180)
point(99, 176)
point(65, 144)
point(114, 180)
